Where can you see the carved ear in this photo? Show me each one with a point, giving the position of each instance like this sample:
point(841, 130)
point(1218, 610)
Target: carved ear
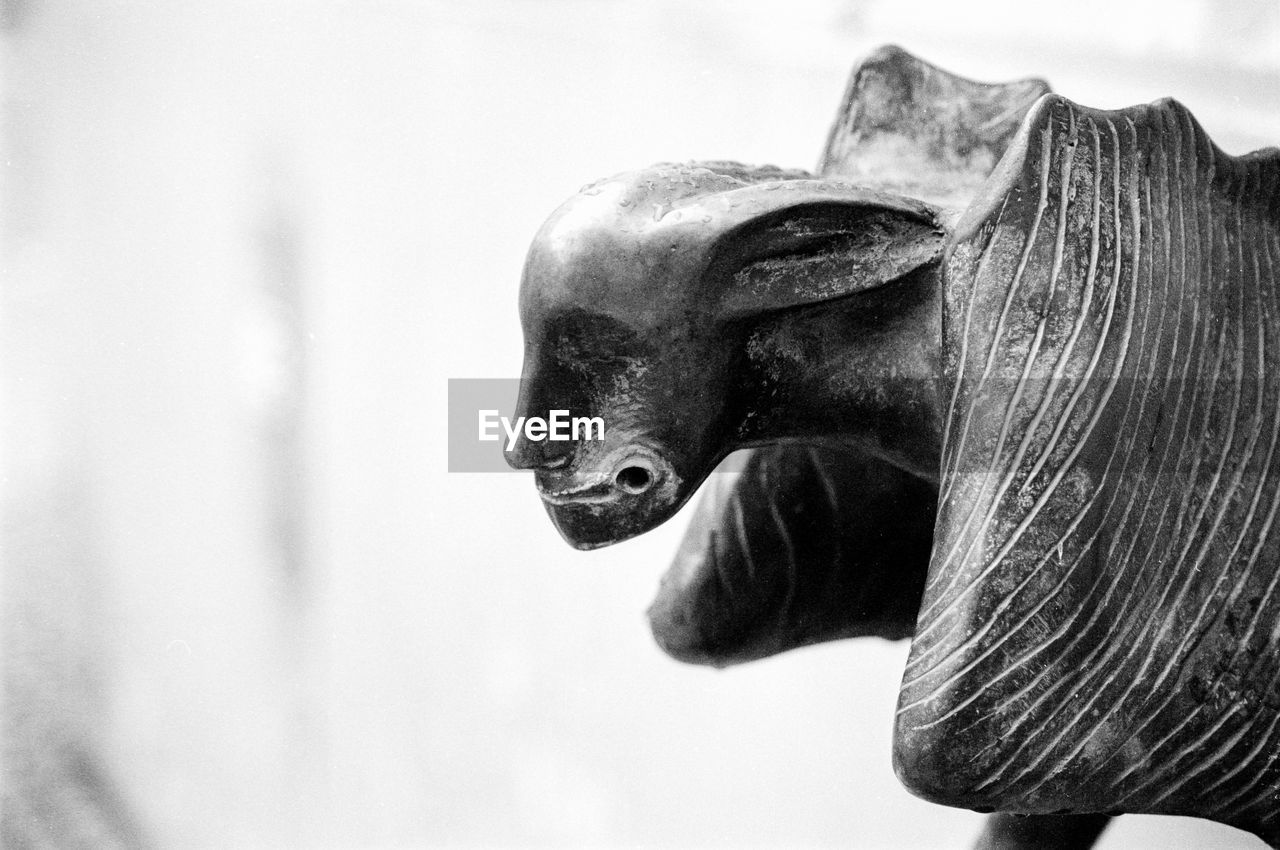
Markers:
point(803, 241)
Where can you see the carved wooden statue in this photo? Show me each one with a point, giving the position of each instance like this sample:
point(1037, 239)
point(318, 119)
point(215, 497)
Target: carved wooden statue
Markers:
point(1013, 364)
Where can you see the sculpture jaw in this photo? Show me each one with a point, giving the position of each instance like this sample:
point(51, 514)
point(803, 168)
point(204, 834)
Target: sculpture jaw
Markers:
point(793, 544)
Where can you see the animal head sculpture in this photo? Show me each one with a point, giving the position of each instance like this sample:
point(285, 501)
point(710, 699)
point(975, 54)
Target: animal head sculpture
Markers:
point(1076, 347)
point(683, 374)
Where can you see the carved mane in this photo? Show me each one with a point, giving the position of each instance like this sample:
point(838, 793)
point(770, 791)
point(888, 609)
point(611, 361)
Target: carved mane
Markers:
point(1100, 620)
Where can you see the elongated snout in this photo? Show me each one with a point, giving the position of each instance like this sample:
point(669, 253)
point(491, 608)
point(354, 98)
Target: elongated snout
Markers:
point(605, 497)
point(627, 471)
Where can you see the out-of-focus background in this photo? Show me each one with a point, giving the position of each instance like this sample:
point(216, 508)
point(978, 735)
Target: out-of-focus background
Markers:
point(245, 245)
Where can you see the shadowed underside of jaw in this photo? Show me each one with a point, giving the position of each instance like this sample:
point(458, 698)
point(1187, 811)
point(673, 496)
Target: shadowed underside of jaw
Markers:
point(805, 544)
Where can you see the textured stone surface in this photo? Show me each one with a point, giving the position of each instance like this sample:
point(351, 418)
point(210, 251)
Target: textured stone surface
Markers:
point(1099, 628)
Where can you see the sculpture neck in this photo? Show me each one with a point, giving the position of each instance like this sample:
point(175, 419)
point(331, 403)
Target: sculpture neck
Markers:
point(863, 370)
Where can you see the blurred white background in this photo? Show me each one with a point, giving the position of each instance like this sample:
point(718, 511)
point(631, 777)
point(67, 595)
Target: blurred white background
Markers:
point(245, 246)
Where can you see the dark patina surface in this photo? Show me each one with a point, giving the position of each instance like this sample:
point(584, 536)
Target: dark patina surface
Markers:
point(1009, 368)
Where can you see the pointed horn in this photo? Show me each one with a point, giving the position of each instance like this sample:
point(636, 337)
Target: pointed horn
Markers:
point(907, 126)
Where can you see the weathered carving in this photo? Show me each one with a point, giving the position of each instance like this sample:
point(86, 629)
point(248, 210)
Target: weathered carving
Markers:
point(1075, 354)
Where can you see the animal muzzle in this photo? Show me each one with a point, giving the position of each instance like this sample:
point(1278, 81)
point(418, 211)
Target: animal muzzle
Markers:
point(606, 498)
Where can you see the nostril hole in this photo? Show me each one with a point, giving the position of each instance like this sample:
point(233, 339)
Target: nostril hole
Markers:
point(634, 479)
